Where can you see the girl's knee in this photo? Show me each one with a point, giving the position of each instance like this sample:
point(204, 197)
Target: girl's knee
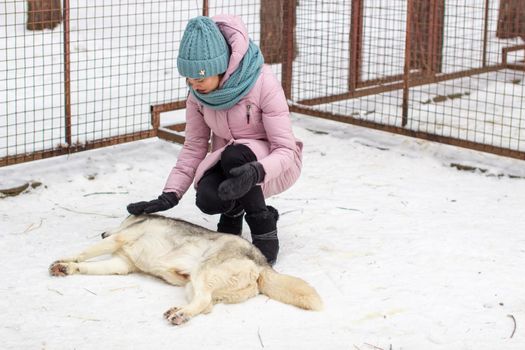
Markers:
point(206, 204)
point(236, 155)
point(210, 203)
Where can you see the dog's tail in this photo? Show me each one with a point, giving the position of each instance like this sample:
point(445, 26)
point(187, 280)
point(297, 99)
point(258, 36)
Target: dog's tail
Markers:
point(288, 289)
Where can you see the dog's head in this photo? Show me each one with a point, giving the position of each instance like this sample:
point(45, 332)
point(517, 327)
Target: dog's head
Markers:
point(130, 220)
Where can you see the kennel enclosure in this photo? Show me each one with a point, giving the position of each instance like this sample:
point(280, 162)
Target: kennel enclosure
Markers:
point(447, 71)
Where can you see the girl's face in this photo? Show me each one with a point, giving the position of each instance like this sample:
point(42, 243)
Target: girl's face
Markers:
point(204, 85)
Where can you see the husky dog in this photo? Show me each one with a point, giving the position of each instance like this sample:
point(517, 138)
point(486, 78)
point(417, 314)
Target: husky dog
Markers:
point(214, 267)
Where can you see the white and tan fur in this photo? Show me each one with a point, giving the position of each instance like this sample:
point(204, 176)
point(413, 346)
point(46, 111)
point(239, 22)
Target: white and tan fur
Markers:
point(214, 267)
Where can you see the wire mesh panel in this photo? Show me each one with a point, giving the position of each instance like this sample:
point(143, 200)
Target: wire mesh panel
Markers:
point(321, 67)
point(451, 71)
point(123, 60)
point(31, 88)
point(486, 107)
point(90, 79)
point(383, 40)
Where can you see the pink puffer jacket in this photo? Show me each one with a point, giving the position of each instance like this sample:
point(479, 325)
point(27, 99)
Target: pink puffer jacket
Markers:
point(260, 120)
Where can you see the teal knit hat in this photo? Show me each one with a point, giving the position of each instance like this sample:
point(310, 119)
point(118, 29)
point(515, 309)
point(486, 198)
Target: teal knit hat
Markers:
point(203, 51)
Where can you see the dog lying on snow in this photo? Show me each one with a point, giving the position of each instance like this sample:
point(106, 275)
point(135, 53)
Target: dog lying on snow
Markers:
point(214, 267)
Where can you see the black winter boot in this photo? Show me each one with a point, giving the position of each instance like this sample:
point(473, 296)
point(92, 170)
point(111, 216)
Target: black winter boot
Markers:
point(231, 222)
point(263, 226)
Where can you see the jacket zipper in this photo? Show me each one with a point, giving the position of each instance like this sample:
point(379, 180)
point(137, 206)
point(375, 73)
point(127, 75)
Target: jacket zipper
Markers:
point(248, 113)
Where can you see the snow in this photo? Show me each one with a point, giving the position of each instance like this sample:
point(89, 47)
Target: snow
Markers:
point(406, 251)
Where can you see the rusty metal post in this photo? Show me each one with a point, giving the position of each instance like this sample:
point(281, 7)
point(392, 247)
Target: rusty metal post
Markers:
point(205, 8)
point(67, 75)
point(432, 28)
point(485, 34)
point(288, 46)
point(406, 71)
point(356, 38)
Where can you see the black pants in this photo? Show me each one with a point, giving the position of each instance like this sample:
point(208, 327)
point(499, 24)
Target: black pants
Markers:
point(207, 199)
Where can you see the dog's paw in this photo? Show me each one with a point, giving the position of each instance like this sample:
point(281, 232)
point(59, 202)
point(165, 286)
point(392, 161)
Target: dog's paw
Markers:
point(59, 269)
point(176, 316)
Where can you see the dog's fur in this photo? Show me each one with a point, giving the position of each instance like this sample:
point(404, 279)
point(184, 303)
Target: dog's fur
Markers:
point(214, 267)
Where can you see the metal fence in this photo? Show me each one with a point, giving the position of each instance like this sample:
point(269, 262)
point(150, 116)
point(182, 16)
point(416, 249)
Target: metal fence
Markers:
point(449, 71)
point(104, 71)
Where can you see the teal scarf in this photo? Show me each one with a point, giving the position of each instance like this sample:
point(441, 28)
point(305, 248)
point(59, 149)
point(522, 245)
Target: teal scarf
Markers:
point(238, 84)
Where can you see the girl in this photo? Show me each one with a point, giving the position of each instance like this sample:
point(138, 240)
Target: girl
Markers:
point(237, 103)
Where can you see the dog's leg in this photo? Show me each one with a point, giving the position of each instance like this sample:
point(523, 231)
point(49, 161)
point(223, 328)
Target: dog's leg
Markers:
point(233, 278)
point(201, 301)
point(190, 296)
point(106, 246)
point(116, 265)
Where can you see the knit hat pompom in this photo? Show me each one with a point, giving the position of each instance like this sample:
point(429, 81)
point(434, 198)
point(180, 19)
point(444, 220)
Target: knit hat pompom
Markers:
point(203, 51)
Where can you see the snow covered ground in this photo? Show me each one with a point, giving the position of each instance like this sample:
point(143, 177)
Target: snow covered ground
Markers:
point(406, 251)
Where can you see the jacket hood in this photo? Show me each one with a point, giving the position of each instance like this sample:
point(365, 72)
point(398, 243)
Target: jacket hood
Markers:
point(236, 34)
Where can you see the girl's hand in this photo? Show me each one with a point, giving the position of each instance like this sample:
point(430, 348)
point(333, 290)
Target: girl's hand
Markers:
point(165, 201)
point(243, 179)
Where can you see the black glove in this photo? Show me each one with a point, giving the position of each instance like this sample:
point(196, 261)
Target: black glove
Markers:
point(165, 201)
point(243, 179)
